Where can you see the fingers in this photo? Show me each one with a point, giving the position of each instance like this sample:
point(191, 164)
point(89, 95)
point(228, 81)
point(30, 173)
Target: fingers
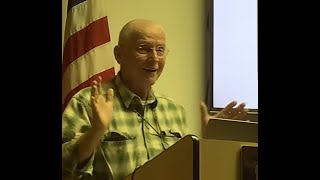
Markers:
point(241, 115)
point(205, 117)
point(96, 87)
point(240, 112)
point(228, 109)
point(240, 107)
point(231, 105)
point(232, 112)
point(99, 84)
point(110, 94)
point(204, 113)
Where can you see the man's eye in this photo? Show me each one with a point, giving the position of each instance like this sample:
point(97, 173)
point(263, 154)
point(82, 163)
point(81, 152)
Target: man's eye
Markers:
point(160, 52)
point(144, 48)
point(160, 49)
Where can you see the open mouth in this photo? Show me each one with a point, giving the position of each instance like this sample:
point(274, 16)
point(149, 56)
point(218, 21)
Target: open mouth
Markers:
point(150, 70)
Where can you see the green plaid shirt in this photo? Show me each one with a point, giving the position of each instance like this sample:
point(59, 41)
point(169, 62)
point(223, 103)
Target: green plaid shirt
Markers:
point(136, 134)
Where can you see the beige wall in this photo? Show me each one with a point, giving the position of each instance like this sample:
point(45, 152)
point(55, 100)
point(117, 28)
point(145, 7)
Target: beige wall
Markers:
point(184, 23)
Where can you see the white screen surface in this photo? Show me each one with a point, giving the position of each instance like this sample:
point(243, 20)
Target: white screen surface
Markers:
point(235, 58)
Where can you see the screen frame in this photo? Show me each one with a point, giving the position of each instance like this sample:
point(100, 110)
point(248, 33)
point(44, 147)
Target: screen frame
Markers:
point(252, 113)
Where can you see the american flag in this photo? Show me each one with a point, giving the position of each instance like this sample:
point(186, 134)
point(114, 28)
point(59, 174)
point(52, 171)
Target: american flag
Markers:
point(87, 51)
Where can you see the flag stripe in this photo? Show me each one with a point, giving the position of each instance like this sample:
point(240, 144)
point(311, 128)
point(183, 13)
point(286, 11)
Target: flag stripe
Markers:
point(82, 15)
point(95, 61)
point(106, 76)
point(87, 52)
point(95, 34)
point(72, 3)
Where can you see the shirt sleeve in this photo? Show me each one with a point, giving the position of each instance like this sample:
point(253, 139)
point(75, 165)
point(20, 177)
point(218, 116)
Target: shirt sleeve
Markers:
point(75, 122)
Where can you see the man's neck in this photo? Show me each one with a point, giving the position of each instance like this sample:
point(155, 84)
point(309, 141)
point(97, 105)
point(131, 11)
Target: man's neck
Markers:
point(137, 88)
point(141, 92)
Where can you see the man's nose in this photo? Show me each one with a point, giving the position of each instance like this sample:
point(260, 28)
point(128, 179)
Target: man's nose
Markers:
point(154, 55)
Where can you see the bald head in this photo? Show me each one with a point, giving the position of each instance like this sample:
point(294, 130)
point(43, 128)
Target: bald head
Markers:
point(141, 53)
point(135, 28)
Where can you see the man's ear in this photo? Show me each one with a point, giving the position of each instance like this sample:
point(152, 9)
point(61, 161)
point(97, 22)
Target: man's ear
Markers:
point(117, 53)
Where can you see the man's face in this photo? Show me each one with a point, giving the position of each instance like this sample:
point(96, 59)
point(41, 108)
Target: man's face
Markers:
point(143, 58)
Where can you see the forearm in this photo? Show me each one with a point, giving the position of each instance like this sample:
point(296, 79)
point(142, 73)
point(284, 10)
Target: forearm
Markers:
point(80, 138)
point(78, 153)
point(87, 144)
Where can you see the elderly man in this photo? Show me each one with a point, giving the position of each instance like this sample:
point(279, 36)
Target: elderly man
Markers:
point(111, 128)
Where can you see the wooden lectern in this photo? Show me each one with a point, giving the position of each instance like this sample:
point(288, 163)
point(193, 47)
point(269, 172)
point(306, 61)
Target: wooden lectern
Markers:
point(180, 161)
point(194, 159)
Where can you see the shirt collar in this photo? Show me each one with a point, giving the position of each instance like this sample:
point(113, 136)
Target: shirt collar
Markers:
point(128, 97)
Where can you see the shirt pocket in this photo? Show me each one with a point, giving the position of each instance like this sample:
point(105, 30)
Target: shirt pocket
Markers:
point(118, 141)
point(119, 150)
point(117, 137)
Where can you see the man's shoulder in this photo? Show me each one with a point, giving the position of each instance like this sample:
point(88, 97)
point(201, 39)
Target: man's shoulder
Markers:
point(165, 99)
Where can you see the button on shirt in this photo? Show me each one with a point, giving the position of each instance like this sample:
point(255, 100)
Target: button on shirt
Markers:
point(137, 133)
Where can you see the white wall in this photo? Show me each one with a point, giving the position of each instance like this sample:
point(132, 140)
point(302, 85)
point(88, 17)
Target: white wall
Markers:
point(184, 23)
